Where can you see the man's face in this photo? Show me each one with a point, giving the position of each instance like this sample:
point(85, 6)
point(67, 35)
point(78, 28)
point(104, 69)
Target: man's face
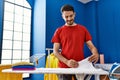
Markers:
point(68, 16)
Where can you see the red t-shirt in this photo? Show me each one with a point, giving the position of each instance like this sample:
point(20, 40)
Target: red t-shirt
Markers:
point(72, 41)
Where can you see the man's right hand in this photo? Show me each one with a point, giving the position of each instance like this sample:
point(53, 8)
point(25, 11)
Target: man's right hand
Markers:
point(72, 63)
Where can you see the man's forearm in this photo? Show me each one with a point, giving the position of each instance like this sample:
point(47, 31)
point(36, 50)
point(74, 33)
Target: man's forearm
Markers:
point(60, 57)
point(94, 51)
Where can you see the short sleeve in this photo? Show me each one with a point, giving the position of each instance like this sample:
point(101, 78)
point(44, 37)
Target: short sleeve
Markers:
point(56, 37)
point(87, 35)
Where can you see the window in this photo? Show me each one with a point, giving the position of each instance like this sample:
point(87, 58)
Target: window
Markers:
point(16, 31)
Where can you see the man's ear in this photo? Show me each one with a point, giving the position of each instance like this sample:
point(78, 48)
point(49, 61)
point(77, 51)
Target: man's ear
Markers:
point(74, 13)
point(62, 16)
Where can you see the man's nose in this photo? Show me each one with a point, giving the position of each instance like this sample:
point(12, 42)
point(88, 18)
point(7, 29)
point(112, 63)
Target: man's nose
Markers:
point(69, 18)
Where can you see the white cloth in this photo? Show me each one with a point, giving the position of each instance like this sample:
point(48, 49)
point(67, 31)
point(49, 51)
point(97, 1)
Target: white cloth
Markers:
point(84, 64)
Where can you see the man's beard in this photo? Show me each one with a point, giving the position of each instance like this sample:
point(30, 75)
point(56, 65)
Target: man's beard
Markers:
point(70, 22)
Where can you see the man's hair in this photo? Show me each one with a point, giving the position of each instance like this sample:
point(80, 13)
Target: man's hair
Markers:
point(67, 7)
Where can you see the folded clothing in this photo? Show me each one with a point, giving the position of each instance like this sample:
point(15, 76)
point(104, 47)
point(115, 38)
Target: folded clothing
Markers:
point(23, 66)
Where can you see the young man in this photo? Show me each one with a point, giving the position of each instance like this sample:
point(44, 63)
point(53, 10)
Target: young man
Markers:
point(70, 38)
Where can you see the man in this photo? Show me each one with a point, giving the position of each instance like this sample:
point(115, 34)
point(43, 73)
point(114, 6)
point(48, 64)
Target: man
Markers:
point(70, 38)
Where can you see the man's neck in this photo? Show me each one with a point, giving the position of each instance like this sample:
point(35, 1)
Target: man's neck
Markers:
point(71, 25)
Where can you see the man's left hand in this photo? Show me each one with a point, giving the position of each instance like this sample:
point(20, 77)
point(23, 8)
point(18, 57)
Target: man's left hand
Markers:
point(94, 58)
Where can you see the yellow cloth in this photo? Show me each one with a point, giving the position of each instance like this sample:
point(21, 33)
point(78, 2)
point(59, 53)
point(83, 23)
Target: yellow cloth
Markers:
point(51, 62)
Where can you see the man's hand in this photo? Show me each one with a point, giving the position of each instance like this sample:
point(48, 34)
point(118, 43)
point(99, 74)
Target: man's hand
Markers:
point(72, 63)
point(94, 58)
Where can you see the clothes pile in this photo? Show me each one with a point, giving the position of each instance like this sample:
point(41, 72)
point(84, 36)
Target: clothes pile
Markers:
point(23, 66)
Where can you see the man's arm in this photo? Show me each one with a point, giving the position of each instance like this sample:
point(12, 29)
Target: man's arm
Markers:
point(70, 63)
point(57, 53)
point(95, 55)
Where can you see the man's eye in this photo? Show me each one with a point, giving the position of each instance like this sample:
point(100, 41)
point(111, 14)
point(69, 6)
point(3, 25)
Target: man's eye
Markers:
point(66, 17)
point(71, 15)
